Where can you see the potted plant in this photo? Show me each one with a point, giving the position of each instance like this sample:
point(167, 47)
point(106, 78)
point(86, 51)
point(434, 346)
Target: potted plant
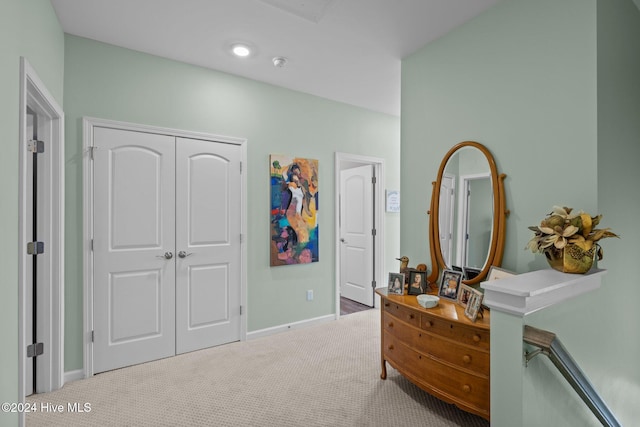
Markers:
point(569, 241)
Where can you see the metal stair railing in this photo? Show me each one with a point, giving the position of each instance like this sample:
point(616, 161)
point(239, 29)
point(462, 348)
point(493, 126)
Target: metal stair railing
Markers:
point(550, 345)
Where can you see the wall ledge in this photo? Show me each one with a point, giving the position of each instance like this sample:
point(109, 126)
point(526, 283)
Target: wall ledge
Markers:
point(527, 293)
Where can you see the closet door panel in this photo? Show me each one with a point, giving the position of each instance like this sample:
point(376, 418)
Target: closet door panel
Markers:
point(208, 243)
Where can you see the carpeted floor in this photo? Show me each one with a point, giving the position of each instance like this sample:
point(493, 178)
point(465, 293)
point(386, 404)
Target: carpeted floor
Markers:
point(324, 375)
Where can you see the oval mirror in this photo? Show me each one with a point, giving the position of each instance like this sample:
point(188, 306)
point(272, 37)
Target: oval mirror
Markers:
point(467, 215)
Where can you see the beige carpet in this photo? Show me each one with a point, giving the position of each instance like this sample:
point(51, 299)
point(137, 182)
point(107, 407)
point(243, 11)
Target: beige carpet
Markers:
point(325, 375)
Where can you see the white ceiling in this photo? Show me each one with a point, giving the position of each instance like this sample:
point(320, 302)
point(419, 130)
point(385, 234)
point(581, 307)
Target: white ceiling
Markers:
point(345, 50)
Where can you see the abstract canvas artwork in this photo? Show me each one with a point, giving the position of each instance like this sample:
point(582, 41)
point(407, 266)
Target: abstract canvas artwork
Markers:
point(294, 210)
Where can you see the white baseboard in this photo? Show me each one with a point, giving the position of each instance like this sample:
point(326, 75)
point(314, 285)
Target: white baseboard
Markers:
point(73, 376)
point(289, 326)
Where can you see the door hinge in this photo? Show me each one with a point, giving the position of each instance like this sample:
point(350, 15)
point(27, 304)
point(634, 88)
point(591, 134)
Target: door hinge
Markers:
point(373, 284)
point(35, 248)
point(35, 146)
point(91, 245)
point(240, 310)
point(92, 149)
point(240, 237)
point(93, 335)
point(373, 232)
point(35, 349)
point(373, 180)
point(240, 167)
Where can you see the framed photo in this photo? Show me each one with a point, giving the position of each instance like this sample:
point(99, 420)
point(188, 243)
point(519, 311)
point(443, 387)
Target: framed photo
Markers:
point(450, 284)
point(464, 294)
point(496, 273)
point(417, 282)
point(470, 272)
point(396, 284)
point(474, 306)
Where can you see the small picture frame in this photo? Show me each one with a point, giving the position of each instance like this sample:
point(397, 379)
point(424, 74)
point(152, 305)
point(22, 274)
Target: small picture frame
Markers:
point(396, 284)
point(417, 282)
point(450, 284)
point(470, 272)
point(496, 273)
point(474, 306)
point(464, 294)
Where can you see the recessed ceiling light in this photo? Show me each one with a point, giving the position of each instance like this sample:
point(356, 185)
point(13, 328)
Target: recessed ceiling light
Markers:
point(241, 50)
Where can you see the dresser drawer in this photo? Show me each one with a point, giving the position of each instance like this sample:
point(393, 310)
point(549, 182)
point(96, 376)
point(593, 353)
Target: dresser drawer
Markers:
point(405, 314)
point(475, 360)
point(459, 386)
point(455, 331)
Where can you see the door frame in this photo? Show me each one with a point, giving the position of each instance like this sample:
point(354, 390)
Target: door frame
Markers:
point(33, 93)
point(88, 125)
point(462, 227)
point(345, 161)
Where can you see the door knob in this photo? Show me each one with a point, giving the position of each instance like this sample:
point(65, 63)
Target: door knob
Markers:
point(167, 255)
point(183, 254)
point(343, 241)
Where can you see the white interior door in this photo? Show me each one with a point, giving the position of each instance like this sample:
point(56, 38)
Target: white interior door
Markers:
point(207, 244)
point(134, 241)
point(356, 234)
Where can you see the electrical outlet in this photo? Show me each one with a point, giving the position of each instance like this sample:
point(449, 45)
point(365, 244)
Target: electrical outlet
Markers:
point(310, 295)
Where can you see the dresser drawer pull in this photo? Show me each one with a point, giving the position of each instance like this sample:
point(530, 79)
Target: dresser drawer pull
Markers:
point(466, 388)
point(466, 358)
point(412, 316)
point(476, 338)
point(386, 304)
point(428, 323)
point(390, 324)
point(390, 347)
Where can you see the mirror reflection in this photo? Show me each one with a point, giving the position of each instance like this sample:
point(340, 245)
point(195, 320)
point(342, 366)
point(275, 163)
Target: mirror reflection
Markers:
point(466, 209)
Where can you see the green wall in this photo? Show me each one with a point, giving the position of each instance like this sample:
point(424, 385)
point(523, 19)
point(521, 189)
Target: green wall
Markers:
point(29, 29)
point(114, 83)
point(552, 89)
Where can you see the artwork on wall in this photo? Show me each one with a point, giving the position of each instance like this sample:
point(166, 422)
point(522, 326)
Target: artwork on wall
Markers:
point(294, 210)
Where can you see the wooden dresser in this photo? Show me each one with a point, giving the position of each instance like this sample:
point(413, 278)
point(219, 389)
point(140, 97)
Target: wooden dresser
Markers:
point(438, 349)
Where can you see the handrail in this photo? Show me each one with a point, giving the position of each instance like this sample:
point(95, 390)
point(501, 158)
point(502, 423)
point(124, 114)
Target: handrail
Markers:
point(550, 345)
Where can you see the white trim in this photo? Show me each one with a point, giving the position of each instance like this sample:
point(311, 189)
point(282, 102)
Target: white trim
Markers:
point(33, 93)
point(291, 326)
point(89, 123)
point(524, 294)
point(71, 376)
point(379, 195)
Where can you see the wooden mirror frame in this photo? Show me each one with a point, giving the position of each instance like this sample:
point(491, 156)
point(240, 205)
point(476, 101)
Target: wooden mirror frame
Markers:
point(500, 212)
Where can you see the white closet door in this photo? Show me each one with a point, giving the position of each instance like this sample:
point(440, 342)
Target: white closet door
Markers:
point(134, 220)
point(208, 211)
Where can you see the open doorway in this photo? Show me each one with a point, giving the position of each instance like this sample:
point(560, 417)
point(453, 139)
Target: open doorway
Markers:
point(359, 228)
point(41, 238)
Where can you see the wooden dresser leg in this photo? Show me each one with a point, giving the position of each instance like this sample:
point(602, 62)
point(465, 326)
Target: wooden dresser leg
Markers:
point(383, 374)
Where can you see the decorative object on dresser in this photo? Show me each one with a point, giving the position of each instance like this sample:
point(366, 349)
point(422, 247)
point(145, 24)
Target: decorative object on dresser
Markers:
point(438, 349)
point(474, 306)
point(449, 284)
point(496, 273)
point(427, 301)
point(464, 294)
point(569, 241)
point(404, 263)
point(417, 282)
point(396, 283)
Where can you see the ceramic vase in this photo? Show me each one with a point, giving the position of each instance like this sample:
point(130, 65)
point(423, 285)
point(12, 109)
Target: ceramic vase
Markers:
point(571, 259)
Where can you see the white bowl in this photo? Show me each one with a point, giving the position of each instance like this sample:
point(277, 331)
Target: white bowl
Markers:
point(428, 301)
